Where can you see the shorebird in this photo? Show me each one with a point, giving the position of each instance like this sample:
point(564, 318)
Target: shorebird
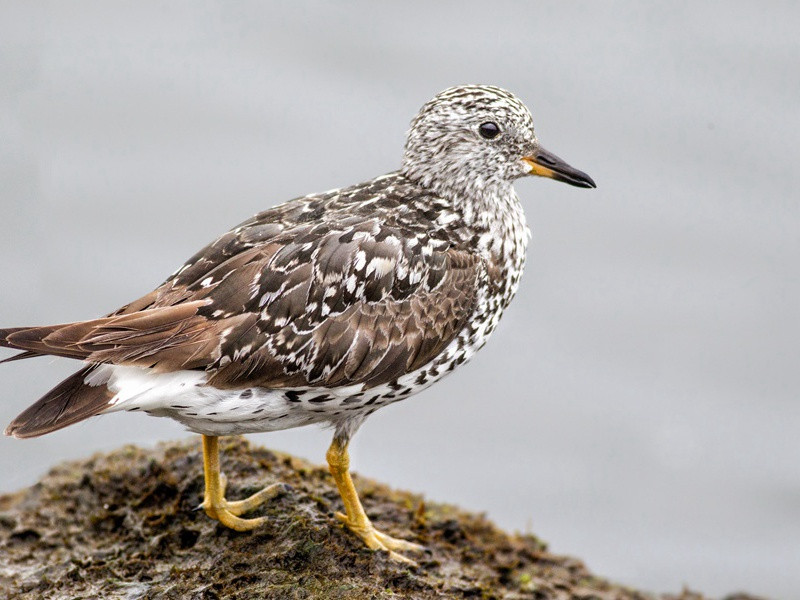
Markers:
point(322, 309)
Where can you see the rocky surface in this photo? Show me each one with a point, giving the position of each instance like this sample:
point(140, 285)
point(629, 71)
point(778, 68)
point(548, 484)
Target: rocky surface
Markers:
point(125, 525)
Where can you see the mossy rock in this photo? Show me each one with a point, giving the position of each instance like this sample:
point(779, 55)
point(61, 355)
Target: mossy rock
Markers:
point(126, 525)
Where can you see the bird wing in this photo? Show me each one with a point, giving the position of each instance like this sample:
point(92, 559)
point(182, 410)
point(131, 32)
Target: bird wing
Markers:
point(278, 304)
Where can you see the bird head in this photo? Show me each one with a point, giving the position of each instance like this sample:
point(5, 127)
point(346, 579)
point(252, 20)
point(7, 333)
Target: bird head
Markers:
point(473, 138)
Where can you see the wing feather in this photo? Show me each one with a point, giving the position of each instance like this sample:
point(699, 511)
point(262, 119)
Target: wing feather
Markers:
point(294, 297)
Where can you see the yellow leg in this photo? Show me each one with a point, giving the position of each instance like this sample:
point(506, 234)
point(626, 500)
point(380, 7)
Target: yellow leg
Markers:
point(214, 502)
point(356, 519)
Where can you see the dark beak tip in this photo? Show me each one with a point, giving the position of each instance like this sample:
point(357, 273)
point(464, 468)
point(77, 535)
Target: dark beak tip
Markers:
point(579, 179)
point(560, 170)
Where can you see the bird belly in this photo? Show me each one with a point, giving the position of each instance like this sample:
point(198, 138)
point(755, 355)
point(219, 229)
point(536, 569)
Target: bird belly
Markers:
point(185, 397)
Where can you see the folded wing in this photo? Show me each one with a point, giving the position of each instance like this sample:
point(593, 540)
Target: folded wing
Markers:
point(322, 304)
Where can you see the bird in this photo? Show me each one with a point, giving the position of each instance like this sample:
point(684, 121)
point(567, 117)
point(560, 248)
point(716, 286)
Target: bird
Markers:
point(322, 309)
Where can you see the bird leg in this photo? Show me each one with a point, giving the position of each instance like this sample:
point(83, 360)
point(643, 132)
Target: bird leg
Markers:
point(214, 502)
point(356, 520)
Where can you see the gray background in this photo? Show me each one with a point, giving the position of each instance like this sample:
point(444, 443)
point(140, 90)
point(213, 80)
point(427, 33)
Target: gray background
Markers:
point(638, 405)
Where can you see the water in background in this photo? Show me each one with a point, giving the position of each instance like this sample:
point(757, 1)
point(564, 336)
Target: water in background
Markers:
point(638, 405)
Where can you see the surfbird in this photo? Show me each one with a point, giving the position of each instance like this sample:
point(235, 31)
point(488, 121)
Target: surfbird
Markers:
point(322, 309)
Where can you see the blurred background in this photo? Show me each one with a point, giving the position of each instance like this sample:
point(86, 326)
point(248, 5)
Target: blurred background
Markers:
point(638, 405)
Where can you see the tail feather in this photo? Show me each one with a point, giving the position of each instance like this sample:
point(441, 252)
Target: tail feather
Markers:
point(33, 339)
point(169, 336)
point(21, 356)
point(70, 401)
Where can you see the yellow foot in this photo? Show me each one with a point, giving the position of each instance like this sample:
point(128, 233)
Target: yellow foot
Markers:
point(227, 512)
point(375, 540)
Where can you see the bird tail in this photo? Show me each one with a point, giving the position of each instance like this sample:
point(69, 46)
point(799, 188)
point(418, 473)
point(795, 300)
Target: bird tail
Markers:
point(70, 401)
point(34, 341)
point(20, 356)
point(170, 337)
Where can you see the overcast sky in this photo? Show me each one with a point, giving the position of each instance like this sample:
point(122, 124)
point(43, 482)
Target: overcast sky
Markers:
point(637, 406)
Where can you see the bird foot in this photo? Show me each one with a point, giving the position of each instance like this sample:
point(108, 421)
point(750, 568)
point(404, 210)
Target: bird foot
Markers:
point(376, 540)
point(228, 512)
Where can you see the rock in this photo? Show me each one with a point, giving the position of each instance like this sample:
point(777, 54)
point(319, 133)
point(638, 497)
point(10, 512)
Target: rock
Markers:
point(125, 525)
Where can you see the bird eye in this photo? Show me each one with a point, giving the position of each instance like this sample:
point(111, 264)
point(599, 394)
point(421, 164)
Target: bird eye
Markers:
point(489, 130)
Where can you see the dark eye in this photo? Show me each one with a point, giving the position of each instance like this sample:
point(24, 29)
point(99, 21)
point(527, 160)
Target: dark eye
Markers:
point(489, 130)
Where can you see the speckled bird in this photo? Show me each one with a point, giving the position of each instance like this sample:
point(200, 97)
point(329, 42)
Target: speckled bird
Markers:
point(322, 309)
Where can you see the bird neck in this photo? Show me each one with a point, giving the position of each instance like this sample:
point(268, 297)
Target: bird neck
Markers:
point(499, 220)
point(491, 220)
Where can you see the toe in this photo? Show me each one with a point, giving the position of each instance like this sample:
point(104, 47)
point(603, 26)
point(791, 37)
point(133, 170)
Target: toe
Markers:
point(239, 507)
point(398, 544)
point(232, 521)
point(376, 540)
point(402, 559)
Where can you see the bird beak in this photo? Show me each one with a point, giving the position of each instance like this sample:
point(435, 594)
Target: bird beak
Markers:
point(546, 164)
